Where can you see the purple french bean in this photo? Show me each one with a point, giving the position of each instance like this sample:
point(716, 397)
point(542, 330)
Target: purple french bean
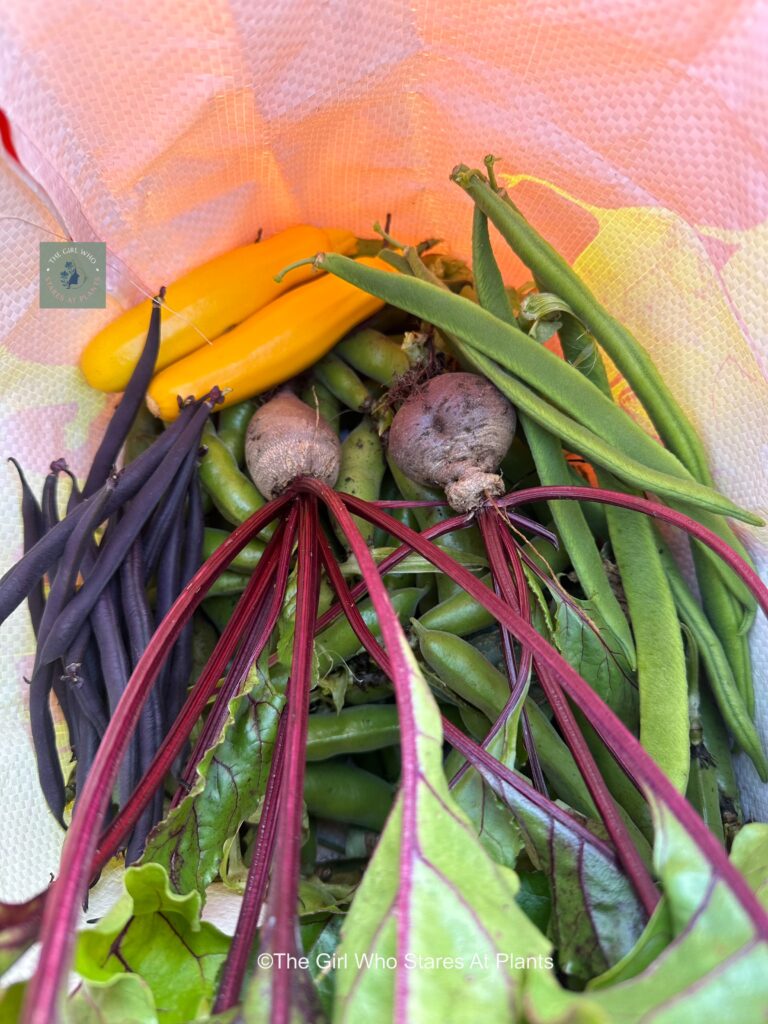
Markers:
point(82, 675)
point(49, 504)
point(167, 514)
point(79, 680)
point(73, 558)
point(87, 744)
point(115, 669)
point(32, 521)
point(48, 677)
point(140, 626)
point(44, 740)
point(25, 574)
point(115, 547)
point(124, 415)
point(138, 615)
point(168, 587)
point(191, 560)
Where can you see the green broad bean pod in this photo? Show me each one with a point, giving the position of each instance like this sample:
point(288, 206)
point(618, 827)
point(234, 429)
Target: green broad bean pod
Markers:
point(374, 355)
point(463, 669)
point(233, 494)
point(233, 424)
point(407, 516)
point(204, 637)
point(368, 693)
point(354, 730)
point(361, 471)
point(317, 396)
point(338, 643)
point(343, 792)
point(244, 562)
point(459, 614)
point(219, 610)
point(343, 383)
point(228, 584)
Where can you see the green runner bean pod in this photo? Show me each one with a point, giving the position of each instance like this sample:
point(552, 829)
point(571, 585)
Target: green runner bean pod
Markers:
point(551, 465)
point(554, 274)
point(661, 674)
point(485, 335)
point(719, 674)
point(702, 792)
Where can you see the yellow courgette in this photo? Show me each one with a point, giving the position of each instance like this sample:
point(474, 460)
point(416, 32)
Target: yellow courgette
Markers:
point(206, 302)
point(281, 340)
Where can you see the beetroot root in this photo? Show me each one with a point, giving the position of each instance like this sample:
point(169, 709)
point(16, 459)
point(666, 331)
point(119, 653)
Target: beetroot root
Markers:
point(285, 440)
point(454, 432)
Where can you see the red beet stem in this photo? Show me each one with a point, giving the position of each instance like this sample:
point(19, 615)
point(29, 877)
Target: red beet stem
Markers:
point(239, 953)
point(280, 933)
point(277, 555)
point(614, 733)
point(45, 990)
point(631, 861)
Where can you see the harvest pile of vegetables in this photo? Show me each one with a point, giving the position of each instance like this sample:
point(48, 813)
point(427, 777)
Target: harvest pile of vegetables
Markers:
point(378, 626)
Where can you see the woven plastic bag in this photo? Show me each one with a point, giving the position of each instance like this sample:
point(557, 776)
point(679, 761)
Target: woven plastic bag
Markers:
point(634, 134)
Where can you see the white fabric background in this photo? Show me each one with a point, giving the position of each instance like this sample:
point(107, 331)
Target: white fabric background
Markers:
point(174, 130)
